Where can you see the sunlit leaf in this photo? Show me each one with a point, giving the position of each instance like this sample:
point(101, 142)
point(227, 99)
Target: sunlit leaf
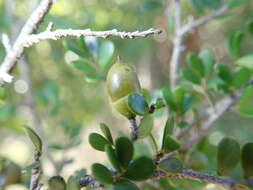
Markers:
point(245, 104)
point(34, 138)
point(105, 53)
point(145, 126)
point(246, 61)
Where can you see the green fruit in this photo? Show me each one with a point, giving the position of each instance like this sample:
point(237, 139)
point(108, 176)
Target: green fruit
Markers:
point(122, 80)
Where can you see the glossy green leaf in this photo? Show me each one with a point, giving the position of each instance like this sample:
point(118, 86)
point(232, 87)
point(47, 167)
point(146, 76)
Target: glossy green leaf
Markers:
point(245, 104)
point(224, 73)
point(233, 43)
point(168, 129)
point(101, 173)
point(105, 53)
point(171, 165)
point(145, 126)
point(168, 97)
point(207, 58)
point(92, 45)
point(125, 184)
point(241, 77)
point(235, 3)
point(178, 97)
point(189, 76)
point(246, 160)
point(170, 144)
point(57, 183)
point(72, 184)
point(228, 155)
point(81, 65)
point(93, 77)
point(140, 169)
point(34, 138)
point(98, 142)
point(195, 64)
point(138, 104)
point(125, 150)
point(246, 61)
point(113, 157)
point(106, 131)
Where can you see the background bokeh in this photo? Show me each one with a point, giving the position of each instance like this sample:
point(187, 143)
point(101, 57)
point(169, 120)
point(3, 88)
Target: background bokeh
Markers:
point(50, 95)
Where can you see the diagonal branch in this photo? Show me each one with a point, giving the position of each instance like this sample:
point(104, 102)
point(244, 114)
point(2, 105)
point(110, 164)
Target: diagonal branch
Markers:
point(18, 48)
point(181, 31)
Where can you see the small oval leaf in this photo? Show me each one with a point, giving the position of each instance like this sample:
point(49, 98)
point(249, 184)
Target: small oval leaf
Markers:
point(73, 184)
point(245, 104)
point(140, 169)
point(138, 104)
point(34, 138)
point(145, 126)
point(170, 144)
point(124, 184)
point(105, 53)
point(97, 141)
point(81, 65)
point(195, 64)
point(113, 158)
point(106, 131)
point(171, 165)
point(56, 183)
point(247, 157)
point(125, 150)
point(228, 155)
point(101, 173)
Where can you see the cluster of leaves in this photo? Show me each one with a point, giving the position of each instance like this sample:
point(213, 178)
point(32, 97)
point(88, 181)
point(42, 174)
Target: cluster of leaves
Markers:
point(126, 169)
point(94, 56)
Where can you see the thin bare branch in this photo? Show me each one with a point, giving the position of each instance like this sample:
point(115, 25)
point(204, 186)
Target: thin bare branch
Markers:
point(18, 48)
point(181, 31)
point(203, 20)
point(190, 174)
point(61, 33)
point(88, 181)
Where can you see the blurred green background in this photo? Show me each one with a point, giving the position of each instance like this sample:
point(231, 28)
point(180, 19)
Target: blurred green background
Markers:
point(64, 106)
